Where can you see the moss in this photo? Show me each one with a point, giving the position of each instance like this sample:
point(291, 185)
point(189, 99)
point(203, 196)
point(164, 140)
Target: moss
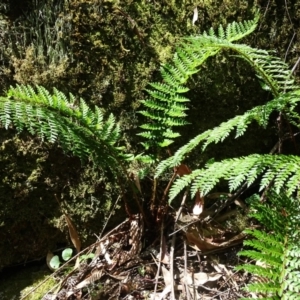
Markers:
point(35, 70)
point(16, 285)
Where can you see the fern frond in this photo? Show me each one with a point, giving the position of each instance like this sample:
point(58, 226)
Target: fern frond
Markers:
point(285, 103)
point(276, 248)
point(274, 73)
point(242, 170)
point(165, 101)
point(54, 117)
point(238, 30)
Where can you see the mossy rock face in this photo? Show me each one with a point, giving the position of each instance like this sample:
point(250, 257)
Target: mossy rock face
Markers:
point(107, 52)
point(32, 221)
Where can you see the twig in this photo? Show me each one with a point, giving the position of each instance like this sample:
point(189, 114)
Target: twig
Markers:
point(264, 14)
point(172, 265)
point(289, 46)
point(133, 23)
point(182, 204)
point(228, 201)
point(168, 188)
point(159, 262)
point(295, 65)
point(172, 250)
point(106, 222)
point(153, 197)
point(185, 271)
point(187, 225)
point(286, 7)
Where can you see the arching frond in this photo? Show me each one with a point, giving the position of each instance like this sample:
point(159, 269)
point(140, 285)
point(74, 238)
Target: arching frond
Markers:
point(284, 103)
point(276, 248)
point(284, 170)
point(271, 70)
point(54, 117)
point(165, 107)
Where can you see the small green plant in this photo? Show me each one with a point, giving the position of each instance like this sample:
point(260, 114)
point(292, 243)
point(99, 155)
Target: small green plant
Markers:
point(66, 254)
point(86, 256)
point(55, 261)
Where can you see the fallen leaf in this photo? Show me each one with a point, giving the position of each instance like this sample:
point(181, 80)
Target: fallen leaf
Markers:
point(200, 278)
point(137, 183)
point(168, 283)
point(222, 269)
point(74, 238)
point(167, 276)
point(200, 242)
point(73, 233)
point(95, 275)
point(162, 295)
point(195, 16)
point(104, 251)
point(199, 205)
point(182, 170)
point(164, 257)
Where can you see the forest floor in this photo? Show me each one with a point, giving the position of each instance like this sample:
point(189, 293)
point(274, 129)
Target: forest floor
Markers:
point(184, 257)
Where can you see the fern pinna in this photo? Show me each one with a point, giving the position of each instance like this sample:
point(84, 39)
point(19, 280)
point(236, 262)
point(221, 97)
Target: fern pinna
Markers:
point(56, 118)
point(165, 106)
point(275, 248)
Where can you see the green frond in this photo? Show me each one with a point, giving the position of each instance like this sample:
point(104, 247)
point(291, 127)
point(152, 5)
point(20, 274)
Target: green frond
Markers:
point(151, 127)
point(268, 257)
point(168, 89)
point(170, 134)
point(276, 248)
point(284, 103)
point(273, 73)
point(181, 183)
point(264, 288)
point(55, 118)
point(165, 96)
point(236, 31)
point(277, 79)
point(240, 170)
point(268, 273)
point(271, 240)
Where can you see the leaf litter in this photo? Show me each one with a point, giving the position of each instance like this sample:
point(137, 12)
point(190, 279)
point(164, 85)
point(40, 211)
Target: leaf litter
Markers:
point(126, 261)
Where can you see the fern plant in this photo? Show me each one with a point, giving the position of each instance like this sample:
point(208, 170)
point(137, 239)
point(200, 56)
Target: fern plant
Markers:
point(278, 251)
point(275, 249)
point(54, 117)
